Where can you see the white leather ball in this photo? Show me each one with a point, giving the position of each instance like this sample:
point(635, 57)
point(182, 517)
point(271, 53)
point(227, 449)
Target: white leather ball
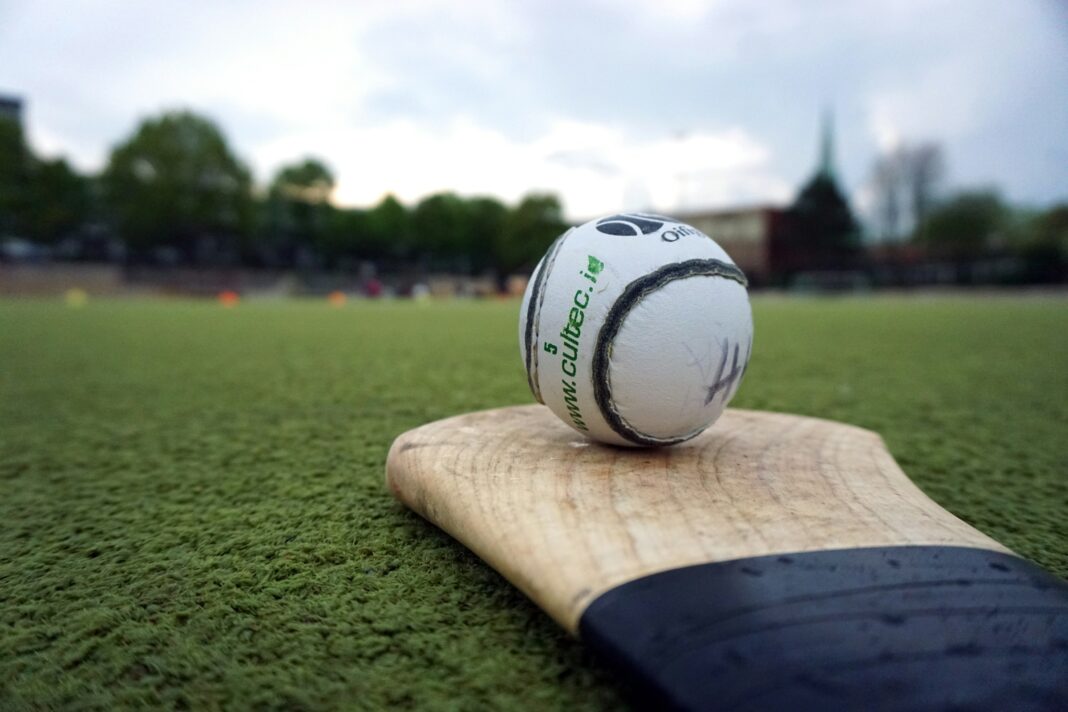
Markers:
point(636, 330)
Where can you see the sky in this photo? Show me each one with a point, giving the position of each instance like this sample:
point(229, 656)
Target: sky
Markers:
point(672, 105)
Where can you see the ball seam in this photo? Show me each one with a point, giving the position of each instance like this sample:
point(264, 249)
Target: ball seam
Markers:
point(537, 297)
point(631, 296)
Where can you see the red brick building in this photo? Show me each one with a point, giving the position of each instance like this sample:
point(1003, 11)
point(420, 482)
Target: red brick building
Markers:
point(816, 235)
point(757, 238)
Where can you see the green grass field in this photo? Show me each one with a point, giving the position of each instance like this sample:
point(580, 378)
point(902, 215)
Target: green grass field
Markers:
point(193, 512)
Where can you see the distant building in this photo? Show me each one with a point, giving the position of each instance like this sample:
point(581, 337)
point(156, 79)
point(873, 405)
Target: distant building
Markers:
point(754, 237)
point(11, 108)
point(773, 244)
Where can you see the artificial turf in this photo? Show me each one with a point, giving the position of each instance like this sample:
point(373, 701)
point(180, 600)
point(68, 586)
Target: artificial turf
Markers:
point(193, 515)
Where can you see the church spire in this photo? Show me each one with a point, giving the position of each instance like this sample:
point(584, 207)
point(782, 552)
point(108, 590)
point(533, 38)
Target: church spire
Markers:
point(826, 167)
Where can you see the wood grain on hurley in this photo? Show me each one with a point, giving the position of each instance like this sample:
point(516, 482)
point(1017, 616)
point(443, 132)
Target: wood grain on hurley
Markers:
point(565, 519)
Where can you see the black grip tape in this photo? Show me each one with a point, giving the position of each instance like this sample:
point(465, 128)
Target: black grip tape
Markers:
point(887, 628)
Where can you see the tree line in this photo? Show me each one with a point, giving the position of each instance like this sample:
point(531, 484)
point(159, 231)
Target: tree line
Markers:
point(174, 191)
point(912, 209)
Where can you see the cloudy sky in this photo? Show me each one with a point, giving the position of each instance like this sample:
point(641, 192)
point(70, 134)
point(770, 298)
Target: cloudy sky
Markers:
point(666, 104)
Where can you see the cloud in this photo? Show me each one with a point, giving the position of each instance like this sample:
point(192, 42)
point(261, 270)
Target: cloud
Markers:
point(946, 101)
point(593, 166)
point(992, 97)
point(966, 89)
point(587, 99)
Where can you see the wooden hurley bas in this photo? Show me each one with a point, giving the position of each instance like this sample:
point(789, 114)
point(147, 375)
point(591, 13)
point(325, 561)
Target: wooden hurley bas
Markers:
point(773, 562)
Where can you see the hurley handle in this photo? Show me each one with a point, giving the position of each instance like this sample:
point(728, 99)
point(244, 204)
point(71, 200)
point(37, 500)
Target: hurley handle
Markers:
point(888, 628)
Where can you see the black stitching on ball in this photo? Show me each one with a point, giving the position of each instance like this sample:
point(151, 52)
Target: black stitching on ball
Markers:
point(533, 308)
point(631, 296)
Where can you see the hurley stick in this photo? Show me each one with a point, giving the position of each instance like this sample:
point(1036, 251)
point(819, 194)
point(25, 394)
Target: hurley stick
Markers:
point(773, 562)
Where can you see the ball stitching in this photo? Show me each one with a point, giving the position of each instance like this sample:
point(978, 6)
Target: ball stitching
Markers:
point(631, 296)
point(537, 296)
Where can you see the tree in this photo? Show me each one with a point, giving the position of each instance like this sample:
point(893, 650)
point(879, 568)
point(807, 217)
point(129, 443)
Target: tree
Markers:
point(59, 201)
point(529, 230)
point(309, 181)
point(487, 219)
point(176, 182)
point(887, 198)
point(389, 230)
point(15, 167)
point(298, 206)
point(348, 235)
point(441, 232)
point(824, 233)
point(1043, 246)
point(924, 171)
point(966, 226)
point(906, 183)
point(39, 199)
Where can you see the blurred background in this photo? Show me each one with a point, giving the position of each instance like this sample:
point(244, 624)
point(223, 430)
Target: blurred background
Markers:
point(397, 148)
